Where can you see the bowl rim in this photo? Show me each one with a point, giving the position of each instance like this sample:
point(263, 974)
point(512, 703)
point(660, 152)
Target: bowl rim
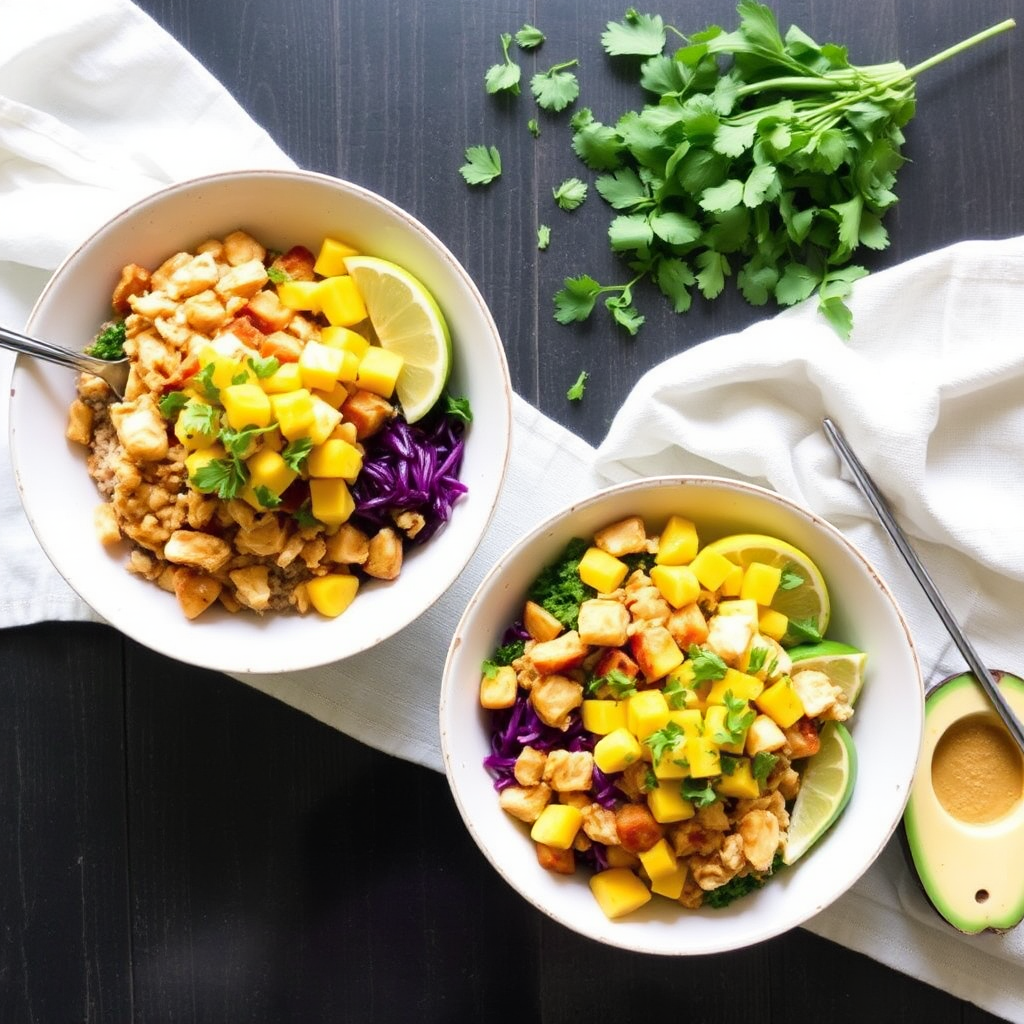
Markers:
point(249, 662)
point(448, 687)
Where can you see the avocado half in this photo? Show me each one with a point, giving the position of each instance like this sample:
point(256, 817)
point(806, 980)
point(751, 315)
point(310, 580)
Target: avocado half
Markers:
point(964, 822)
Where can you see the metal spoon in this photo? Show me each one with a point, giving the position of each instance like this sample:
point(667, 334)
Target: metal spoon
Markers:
point(899, 538)
point(113, 371)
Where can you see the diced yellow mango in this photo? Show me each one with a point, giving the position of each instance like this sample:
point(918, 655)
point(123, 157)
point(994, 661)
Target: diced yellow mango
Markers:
point(618, 892)
point(646, 712)
point(226, 369)
point(246, 405)
point(300, 295)
point(781, 703)
point(332, 503)
point(732, 583)
point(715, 727)
point(336, 397)
point(702, 754)
point(746, 609)
point(186, 427)
point(378, 371)
point(320, 366)
point(678, 542)
point(671, 886)
point(681, 682)
point(672, 764)
point(760, 582)
point(667, 804)
point(660, 860)
point(711, 568)
point(330, 261)
point(294, 413)
point(617, 751)
point(740, 782)
point(335, 458)
point(602, 571)
point(345, 338)
point(678, 584)
point(557, 826)
point(741, 685)
point(772, 623)
point(268, 469)
point(330, 595)
point(195, 461)
point(325, 419)
point(498, 689)
point(340, 301)
point(286, 377)
point(690, 720)
point(620, 857)
point(603, 716)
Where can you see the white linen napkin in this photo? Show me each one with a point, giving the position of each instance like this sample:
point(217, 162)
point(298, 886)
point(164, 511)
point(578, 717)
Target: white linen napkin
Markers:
point(924, 391)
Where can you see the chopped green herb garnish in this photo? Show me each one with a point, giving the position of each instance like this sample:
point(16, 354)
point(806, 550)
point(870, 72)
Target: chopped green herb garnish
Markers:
point(555, 88)
point(791, 579)
point(706, 664)
point(458, 407)
point(266, 497)
point(740, 886)
point(504, 77)
point(762, 764)
point(304, 517)
point(803, 631)
point(543, 236)
point(204, 379)
point(482, 166)
point(296, 452)
point(664, 741)
point(172, 403)
point(529, 37)
point(239, 442)
point(223, 477)
point(757, 658)
point(277, 275)
point(570, 194)
point(109, 343)
point(575, 393)
point(698, 791)
point(533, 127)
point(264, 368)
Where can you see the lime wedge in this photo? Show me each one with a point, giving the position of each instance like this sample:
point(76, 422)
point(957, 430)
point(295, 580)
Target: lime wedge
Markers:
point(407, 321)
point(802, 596)
point(843, 664)
point(825, 790)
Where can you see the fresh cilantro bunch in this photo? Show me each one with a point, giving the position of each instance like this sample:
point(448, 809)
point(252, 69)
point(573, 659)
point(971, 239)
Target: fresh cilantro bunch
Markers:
point(764, 159)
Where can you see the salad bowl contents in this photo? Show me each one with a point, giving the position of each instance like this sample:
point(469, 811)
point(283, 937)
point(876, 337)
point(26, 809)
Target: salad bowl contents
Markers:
point(315, 431)
point(671, 749)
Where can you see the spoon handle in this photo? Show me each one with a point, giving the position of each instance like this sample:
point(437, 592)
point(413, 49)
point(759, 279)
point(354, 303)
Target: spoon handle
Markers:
point(25, 345)
point(899, 538)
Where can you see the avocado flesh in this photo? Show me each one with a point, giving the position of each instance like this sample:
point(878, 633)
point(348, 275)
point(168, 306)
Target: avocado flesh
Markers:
point(968, 854)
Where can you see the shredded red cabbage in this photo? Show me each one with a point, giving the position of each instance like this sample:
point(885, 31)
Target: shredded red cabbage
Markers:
point(411, 468)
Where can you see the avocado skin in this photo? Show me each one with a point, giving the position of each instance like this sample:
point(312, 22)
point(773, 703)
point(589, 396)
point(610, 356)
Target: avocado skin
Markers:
point(917, 857)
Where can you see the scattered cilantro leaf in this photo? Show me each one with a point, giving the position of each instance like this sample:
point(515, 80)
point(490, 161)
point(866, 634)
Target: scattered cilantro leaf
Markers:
point(199, 418)
point(266, 497)
point(762, 764)
point(239, 442)
point(482, 166)
point(675, 691)
point(264, 367)
point(529, 37)
point(803, 631)
point(698, 791)
point(172, 403)
point(503, 77)
point(616, 681)
point(223, 477)
point(555, 88)
point(304, 517)
point(790, 579)
point(277, 275)
point(707, 665)
point(637, 35)
point(575, 393)
point(570, 194)
point(296, 452)
point(459, 408)
point(543, 236)
point(758, 656)
point(204, 379)
point(533, 127)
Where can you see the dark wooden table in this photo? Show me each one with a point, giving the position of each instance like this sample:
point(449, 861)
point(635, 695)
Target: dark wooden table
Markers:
point(178, 847)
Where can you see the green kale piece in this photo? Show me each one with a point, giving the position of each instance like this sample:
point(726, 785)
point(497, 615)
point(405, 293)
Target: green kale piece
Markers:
point(559, 590)
point(109, 343)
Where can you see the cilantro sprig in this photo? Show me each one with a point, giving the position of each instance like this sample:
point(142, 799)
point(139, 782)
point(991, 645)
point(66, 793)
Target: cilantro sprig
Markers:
point(482, 166)
point(504, 77)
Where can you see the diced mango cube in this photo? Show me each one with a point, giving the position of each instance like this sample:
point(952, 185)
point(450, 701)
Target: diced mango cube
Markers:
point(499, 689)
point(678, 584)
point(335, 458)
point(667, 804)
point(671, 763)
point(603, 716)
point(340, 301)
point(320, 366)
point(781, 703)
point(646, 712)
point(732, 583)
point(602, 571)
point(617, 751)
point(195, 461)
point(300, 295)
point(378, 371)
point(345, 338)
point(680, 689)
point(197, 425)
point(331, 594)
point(294, 413)
point(772, 623)
point(618, 892)
point(325, 419)
point(557, 826)
point(226, 370)
point(760, 582)
point(671, 886)
point(286, 377)
point(336, 397)
point(330, 261)
point(690, 720)
point(744, 608)
point(332, 503)
point(660, 860)
point(740, 782)
point(268, 469)
point(711, 568)
point(678, 542)
point(246, 405)
point(702, 754)
point(740, 684)
point(716, 727)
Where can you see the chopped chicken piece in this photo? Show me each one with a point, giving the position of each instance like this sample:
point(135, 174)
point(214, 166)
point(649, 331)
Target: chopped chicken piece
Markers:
point(562, 862)
point(195, 591)
point(603, 623)
point(141, 429)
point(529, 769)
point(384, 555)
point(198, 550)
point(626, 537)
point(564, 652)
point(729, 637)
point(599, 824)
point(567, 771)
point(525, 802)
point(553, 697)
point(134, 280)
point(539, 622)
point(759, 831)
point(80, 420)
point(252, 586)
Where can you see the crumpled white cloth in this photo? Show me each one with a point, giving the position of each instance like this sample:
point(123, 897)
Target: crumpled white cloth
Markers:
point(924, 391)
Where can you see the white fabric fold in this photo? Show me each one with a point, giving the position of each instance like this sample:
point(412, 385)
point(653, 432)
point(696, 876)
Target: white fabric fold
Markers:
point(924, 391)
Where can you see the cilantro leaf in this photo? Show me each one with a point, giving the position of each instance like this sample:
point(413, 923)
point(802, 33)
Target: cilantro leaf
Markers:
point(204, 380)
point(675, 691)
point(239, 443)
point(503, 77)
point(575, 393)
point(790, 579)
point(698, 791)
point(555, 88)
point(266, 497)
point(664, 741)
point(570, 194)
point(457, 407)
point(278, 276)
point(707, 666)
point(223, 477)
point(533, 127)
point(529, 37)
point(304, 517)
point(543, 236)
point(264, 368)
point(296, 452)
point(482, 166)
point(172, 403)
point(803, 631)
point(637, 35)
point(762, 764)
point(575, 300)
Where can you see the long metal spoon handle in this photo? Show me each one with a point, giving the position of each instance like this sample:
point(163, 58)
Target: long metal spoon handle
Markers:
point(52, 353)
point(899, 538)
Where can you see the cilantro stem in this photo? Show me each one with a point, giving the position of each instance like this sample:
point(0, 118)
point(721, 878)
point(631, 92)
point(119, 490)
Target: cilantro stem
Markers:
point(952, 51)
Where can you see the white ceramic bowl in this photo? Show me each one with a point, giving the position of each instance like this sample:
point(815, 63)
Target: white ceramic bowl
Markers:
point(886, 727)
point(280, 208)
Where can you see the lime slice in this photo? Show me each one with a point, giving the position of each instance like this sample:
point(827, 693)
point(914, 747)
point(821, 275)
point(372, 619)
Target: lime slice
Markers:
point(802, 596)
point(407, 321)
point(843, 664)
point(825, 790)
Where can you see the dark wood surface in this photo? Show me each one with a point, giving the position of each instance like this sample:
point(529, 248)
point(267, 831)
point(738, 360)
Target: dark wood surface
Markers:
point(178, 847)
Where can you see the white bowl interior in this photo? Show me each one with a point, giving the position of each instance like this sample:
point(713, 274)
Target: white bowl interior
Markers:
point(281, 209)
point(886, 727)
